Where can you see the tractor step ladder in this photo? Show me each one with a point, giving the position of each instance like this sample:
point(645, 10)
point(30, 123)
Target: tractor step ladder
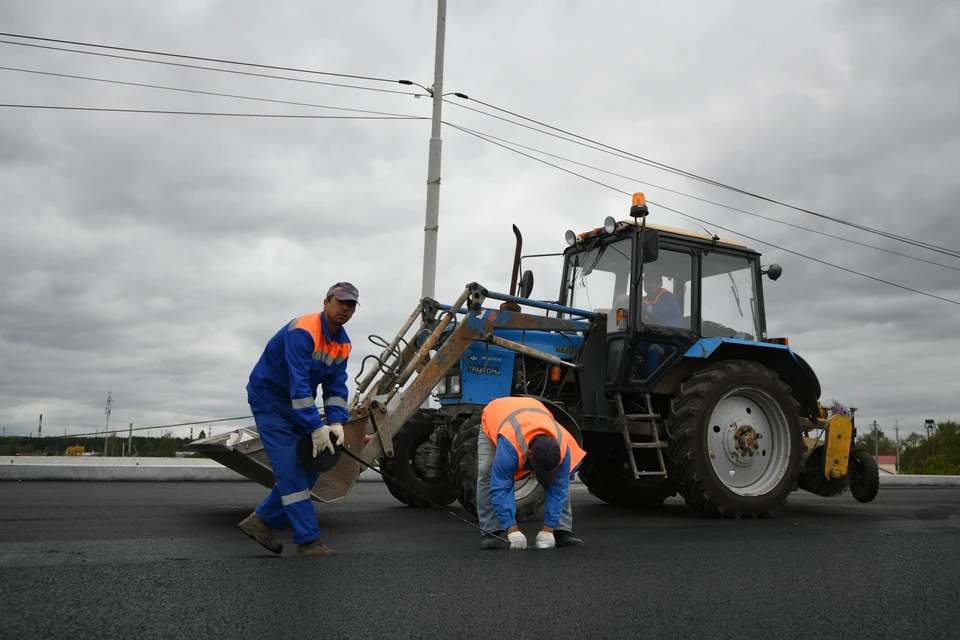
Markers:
point(655, 443)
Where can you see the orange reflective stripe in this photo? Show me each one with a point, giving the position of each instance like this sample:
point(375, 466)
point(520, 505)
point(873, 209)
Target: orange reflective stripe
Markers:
point(330, 353)
point(659, 293)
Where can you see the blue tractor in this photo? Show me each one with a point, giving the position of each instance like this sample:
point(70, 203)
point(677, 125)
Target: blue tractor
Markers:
point(655, 356)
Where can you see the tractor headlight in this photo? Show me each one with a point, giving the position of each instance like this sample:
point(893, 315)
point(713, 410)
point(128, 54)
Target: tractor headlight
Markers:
point(570, 237)
point(609, 225)
point(441, 388)
point(454, 383)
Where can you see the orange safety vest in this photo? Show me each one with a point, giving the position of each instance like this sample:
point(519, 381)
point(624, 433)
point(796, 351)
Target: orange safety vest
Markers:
point(518, 420)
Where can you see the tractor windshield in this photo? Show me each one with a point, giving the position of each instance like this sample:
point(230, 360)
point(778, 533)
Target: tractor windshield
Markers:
point(599, 279)
point(728, 297)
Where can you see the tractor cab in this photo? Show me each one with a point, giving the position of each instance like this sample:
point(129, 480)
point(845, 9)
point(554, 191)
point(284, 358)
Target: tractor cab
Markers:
point(663, 290)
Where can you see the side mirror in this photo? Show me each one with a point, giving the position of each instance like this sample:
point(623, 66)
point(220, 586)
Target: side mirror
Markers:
point(650, 245)
point(773, 272)
point(526, 284)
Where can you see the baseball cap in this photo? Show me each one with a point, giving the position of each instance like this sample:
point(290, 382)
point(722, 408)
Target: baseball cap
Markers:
point(344, 291)
point(546, 454)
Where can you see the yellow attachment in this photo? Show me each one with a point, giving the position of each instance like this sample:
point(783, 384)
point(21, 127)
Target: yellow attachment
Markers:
point(639, 199)
point(838, 436)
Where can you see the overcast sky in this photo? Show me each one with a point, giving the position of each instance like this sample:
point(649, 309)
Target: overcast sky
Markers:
point(153, 256)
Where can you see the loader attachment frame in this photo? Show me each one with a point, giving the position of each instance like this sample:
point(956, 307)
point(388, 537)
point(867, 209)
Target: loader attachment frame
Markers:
point(389, 395)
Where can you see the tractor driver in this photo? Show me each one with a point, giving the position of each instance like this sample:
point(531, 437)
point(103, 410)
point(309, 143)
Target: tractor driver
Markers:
point(660, 306)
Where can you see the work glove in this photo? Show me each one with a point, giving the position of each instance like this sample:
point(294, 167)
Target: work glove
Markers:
point(321, 440)
point(545, 540)
point(336, 433)
point(517, 540)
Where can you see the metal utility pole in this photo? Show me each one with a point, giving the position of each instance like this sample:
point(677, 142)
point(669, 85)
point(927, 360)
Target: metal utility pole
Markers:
point(40, 427)
point(107, 427)
point(876, 441)
point(896, 430)
point(130, 441)
point(432, 223)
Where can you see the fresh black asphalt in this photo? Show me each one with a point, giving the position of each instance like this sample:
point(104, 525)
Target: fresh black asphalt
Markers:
point(161, 560)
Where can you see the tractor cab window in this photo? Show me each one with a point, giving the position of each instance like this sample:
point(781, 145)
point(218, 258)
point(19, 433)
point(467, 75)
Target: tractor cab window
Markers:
point(666, 290)
point(599, 280)
point(728, 297)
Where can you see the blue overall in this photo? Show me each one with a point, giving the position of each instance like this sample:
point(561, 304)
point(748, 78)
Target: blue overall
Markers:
point(282, 395)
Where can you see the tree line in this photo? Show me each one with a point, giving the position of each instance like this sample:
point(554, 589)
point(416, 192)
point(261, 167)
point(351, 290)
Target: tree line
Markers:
point(165, 446)
point(938, 454)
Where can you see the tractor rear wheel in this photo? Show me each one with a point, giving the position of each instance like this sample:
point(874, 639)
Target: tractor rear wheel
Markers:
point(414, 472)
point(462, 467)
point(864, 477)
point(735, 440)
point(611, 480)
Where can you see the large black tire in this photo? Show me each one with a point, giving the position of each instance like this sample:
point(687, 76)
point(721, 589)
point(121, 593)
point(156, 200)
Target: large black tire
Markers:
point(864, 477)
point(463, 475)
point(611, 480)
point(402, 469)
point(717, 427)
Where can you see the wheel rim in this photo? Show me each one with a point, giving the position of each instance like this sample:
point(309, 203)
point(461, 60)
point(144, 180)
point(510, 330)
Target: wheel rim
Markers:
point(748, 441)
point(525, 486)
point(418, 469)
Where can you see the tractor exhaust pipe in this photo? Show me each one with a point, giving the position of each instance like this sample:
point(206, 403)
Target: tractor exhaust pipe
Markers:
point(514, 274)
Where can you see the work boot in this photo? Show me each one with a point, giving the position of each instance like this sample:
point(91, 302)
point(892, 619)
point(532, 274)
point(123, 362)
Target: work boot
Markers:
point(566, 539)
point(313, 549)
point(488, 541)
point(256, 528)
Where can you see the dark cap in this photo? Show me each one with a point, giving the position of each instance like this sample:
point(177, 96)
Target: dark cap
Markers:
point(344, 291)
point(545, 452)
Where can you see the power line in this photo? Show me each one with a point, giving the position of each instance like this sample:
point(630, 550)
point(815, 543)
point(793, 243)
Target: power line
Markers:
point(157, 426)
point(206, 93)
point(680, 213)
point(209, 113)
point(713, 202)
point(218, 70)
point(204, 59)
point(693, 176)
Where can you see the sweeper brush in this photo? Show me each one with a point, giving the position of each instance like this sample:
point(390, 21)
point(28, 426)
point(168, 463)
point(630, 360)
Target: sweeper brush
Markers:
point(812, 478)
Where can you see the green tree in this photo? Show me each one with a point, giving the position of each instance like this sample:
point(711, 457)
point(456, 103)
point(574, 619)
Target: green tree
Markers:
point(202, 434)
point(937, 455)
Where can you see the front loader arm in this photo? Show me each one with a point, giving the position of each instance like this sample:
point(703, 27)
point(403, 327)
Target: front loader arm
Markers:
point(390, 411)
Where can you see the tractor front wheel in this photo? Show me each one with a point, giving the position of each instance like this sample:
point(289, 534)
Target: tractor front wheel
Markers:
point(462, 467)
point(735, 440)
point(415, 471)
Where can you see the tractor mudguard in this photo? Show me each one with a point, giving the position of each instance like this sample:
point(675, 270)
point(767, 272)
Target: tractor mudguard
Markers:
point(791, 368)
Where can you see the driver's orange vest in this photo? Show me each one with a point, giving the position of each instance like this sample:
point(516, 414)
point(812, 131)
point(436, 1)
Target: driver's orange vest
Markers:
point(518, 420)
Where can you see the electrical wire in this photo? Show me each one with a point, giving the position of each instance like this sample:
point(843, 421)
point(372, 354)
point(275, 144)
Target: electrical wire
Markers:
point(202, 59)
point(200, 92)
point(665, 167)
point(713, 202)
point(156, 426)
point(202, 68)
point(208, 113)
point(689, 217)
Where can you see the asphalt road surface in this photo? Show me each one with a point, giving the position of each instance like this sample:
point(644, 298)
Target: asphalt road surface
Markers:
point(160, 560)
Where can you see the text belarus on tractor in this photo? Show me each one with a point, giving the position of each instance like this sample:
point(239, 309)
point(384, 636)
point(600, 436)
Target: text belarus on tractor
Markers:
point(655, 357)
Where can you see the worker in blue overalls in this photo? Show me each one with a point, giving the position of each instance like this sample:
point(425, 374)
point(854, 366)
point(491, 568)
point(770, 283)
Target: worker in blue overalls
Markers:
point(309, 351)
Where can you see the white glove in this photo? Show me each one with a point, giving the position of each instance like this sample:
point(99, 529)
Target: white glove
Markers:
point(321, 440)
point(545, 540)
point(517, 540)
point(336, 431)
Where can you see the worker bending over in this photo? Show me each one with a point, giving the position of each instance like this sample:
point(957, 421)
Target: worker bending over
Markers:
point(520, 436)
point(311, 350)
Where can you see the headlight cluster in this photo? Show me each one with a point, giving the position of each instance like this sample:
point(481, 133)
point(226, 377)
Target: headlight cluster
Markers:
point(450, 385)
